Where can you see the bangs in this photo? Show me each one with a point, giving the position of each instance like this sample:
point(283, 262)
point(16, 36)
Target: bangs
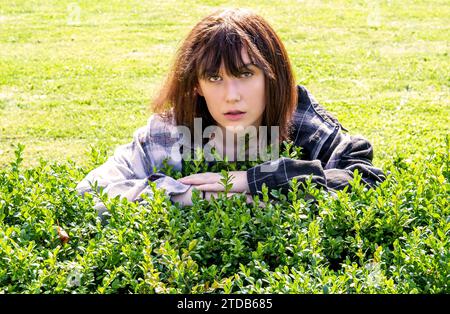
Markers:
point(226, 47)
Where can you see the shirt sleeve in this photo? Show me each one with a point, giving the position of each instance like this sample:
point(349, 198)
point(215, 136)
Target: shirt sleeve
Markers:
point(348, 153)
point(330, 155)
point(129, 170)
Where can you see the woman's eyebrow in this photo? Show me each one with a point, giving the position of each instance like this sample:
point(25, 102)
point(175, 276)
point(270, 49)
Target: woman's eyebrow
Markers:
point(243, 67)
point(247, 65)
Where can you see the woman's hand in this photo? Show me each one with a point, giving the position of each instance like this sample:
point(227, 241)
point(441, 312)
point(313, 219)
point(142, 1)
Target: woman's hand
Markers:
point(209, 185)
point(185, 199)
point(210, 181)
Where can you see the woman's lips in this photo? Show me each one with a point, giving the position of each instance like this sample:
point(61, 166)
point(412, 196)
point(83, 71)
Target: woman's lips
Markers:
point(233, 116)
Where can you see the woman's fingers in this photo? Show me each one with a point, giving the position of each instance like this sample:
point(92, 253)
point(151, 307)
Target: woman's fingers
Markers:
point(185, 199)
point(201, 178)
point(218, 187)
point(211, 181)
point(211, 187)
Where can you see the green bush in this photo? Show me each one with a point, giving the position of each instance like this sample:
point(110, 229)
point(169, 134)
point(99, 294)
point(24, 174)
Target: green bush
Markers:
point(391, 239)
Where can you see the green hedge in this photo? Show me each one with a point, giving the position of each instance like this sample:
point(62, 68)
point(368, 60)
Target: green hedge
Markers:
point(392, 239)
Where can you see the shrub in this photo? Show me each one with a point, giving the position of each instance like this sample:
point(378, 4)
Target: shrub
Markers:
point(390, 239)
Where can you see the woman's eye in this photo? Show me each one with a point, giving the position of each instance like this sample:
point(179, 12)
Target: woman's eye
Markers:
point(246, 74)
point(214, 78)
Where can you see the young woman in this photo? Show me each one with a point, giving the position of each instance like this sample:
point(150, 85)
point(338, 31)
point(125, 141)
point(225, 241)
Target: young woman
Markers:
point(233, 71)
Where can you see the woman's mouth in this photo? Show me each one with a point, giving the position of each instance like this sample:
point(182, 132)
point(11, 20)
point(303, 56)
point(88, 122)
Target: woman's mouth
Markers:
point(234, 115)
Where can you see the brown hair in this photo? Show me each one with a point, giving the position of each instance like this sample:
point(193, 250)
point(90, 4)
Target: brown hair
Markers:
point(219, 38)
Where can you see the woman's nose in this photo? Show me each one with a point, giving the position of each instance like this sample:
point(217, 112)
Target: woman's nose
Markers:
point(232, 91)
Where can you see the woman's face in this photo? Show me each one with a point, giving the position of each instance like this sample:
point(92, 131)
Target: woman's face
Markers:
point(235, 101)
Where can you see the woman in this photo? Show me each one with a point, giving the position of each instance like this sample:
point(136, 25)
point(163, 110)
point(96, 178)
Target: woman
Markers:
point(232, 71)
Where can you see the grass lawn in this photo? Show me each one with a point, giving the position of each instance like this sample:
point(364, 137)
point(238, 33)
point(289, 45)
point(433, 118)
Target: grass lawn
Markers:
point(76, 74)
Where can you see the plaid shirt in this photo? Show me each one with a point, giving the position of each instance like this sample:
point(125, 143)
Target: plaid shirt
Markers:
point(329, 157)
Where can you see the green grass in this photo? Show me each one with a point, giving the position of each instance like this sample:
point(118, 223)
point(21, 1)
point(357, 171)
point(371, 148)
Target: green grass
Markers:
point(65, 86)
